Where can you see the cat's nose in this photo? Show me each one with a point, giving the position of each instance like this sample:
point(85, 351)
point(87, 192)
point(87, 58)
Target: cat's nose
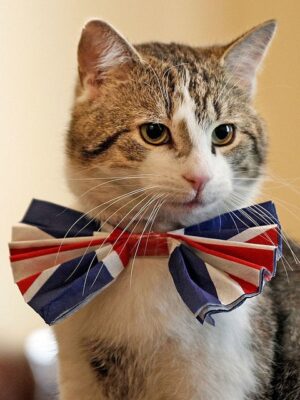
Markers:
point(197, 181)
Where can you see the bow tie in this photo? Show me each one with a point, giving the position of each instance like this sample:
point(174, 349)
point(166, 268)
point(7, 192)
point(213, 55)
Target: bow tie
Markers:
point(61, 259)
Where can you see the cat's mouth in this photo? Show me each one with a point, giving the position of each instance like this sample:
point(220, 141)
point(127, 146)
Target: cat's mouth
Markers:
point(188, 204)
point(193, 203)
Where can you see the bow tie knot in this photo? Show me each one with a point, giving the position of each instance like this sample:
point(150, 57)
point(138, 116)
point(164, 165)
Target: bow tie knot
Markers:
point(136, 244)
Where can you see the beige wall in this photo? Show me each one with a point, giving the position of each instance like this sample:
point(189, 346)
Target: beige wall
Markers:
point(37, 71)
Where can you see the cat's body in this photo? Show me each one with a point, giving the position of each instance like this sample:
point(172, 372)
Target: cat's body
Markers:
point(141, 343)
point(165, 136)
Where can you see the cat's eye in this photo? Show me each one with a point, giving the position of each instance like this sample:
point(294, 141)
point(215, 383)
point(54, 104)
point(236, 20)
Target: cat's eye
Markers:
point(156, 134)
point(223, 135)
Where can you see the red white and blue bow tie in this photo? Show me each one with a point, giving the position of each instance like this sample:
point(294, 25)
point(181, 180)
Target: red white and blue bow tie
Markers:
point(61, 259)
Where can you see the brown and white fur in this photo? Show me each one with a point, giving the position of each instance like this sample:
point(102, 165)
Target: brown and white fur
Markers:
point(137, 340)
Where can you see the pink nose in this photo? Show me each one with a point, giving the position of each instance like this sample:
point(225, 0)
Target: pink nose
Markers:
point(197, 181)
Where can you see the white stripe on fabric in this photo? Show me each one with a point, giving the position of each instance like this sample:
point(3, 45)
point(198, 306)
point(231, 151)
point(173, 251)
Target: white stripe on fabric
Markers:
point(230, 243)
point(177, 232)
point(40, 242)
point(38, 283)
point(237, 269)
point(172, 244)
point(103, 251)
point(251, 233)
point(227, 289)
point(28, 232)
point(100, 234)
point(24, 268)
point(113, 264)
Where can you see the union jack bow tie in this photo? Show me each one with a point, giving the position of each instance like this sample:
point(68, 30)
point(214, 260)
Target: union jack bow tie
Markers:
point(61, 259)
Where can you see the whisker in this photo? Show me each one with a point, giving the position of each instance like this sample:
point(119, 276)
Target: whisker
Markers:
point(89, 212)
point(114, 177)
point(103, 244)
point(130, 222)
point(284, 238)
point(269, 219)
point(117, 199)
point(286, 183)
point(102, 224)
point(153, 217)
point(102, 184)
point(138, 244)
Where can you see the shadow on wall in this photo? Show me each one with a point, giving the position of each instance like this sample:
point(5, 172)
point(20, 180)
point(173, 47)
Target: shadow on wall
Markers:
point(16, 380)
point(31, 375)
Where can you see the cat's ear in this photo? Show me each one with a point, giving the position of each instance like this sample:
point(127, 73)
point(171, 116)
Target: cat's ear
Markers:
point(243, 57)
point(101, 51)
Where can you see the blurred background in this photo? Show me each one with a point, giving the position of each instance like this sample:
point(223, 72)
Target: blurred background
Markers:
point(38, 40)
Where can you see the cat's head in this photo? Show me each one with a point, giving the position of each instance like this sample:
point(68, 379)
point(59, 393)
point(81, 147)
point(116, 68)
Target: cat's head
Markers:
point(165, 132)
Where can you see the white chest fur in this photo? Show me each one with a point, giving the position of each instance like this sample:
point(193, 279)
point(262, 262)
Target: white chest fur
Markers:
point(182, 358)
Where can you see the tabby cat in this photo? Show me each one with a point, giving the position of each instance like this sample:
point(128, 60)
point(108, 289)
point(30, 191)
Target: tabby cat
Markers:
point(164, 136)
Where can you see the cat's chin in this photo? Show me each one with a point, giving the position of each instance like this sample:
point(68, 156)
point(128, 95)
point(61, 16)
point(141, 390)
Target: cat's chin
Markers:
point(184, 214)
point(173, 215)
point(180, 215)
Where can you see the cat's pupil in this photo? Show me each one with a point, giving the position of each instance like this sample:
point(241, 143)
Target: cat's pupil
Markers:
point(154, 131)
point(222, 131)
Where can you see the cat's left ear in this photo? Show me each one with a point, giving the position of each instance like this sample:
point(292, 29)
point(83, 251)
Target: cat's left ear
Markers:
point(103, 51)
point(243, 57)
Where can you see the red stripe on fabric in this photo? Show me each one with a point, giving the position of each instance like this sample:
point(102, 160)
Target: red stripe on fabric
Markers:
point(17, 251)
point(254, 258)
point(269, 237)
point(246, 286)
point(37, 252)
point(24, 284)
point(149, 246)
point(154, 244)
point(141, 246)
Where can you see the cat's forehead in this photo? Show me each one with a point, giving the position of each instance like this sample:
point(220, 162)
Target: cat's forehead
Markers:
point(186, 75)
point(175, 54)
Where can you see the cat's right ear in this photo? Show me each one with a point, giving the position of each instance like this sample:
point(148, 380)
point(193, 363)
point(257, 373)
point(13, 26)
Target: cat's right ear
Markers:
point(243, 57)
point(102, 51)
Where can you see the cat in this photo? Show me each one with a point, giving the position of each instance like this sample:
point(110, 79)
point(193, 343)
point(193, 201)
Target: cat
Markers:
point(164, 136)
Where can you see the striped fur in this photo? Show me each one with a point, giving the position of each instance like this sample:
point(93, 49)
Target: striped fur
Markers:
point(144, 353)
